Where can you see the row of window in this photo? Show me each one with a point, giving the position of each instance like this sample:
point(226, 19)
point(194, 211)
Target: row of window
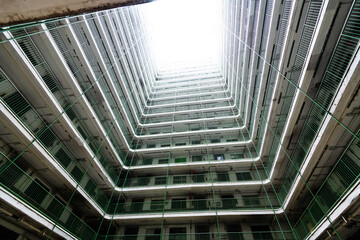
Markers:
point(181, 179)
point(195, 158)
point(226, 202)
point(194, 142)
point(201, 232)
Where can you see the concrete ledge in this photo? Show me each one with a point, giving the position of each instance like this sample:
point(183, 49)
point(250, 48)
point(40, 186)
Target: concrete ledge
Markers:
point(23, 11)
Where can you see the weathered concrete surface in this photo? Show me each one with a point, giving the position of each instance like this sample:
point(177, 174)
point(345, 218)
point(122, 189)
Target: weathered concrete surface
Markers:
point(22, 11)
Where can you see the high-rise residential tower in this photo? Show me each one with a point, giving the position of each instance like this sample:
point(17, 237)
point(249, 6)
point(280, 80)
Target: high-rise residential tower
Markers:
point(100, 141)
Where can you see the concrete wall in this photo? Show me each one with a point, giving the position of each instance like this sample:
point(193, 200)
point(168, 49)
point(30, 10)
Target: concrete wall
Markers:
point(22, 11)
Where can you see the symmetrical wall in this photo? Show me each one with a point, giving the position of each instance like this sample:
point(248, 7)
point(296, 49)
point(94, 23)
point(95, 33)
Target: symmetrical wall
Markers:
point(98, 144)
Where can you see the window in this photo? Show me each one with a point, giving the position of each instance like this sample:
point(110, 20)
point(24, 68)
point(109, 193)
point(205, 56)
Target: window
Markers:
point(180, 160)
point(178, 204)
point(198, 178)
point(160, 180)
point(163, 161)
point(199, 203)
point(132, 162)
point(177, 233)
point(231, 140)
point(131, 233)
point(125, 182)
point(179, 179)
point(197, 158)
point(223, 177)
point(8, 234)
point(153, 234)
point(228, 201)
point(151, 146)
point(82, 133)
point(219, 156)
point(56, 206)
point(236, 155)
point(180, 144)
point(137, 205)
point(251, 200)
point(195, 142)
point(243, 176)
point(18, 104)
point(215, 140)
point(77, 173)
point(143, 181)
point(63, 158)
point(234, 232)
point(261, 232)
point(157, 204)
point(202, 232)
point(165, 145)
point(147, 161)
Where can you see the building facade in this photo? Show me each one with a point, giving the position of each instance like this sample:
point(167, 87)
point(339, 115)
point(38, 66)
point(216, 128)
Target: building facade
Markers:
point(96, 143)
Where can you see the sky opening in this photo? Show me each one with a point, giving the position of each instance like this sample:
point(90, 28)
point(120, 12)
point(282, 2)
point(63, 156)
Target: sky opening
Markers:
point(183, 33)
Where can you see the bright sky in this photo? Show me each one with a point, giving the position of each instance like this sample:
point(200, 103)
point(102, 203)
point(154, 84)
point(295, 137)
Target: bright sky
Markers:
point(183, 31)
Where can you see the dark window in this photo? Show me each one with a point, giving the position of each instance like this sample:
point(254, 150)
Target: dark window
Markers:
point(223, 177)
point(90, 188)
point(198, 178)
point(231, 140)
point(77, 173)
point(37, 191)
point(153, 234)
point(137, 205)
point(63, 158)
point(131, 233)
point(261, 232)
point(251, 200)
point(56, 207)
point(82, 132)
point(202, 232)
point(234, 232)
point(160, 180)
point(243, 176)
point(143, 181)
point(236, 155)
point(163, 161)
point(228, 201)
point(178, 204)
point(18, 104)
point(197, 158)
point(177, 234)
point(147, 161)
point(7, 234)
point(199, 203)
point(179, 179)
point(47, 138)
point(180, 144)
point(157, 204)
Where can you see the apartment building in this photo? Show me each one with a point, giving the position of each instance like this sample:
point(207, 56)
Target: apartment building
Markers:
point(99, 142)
